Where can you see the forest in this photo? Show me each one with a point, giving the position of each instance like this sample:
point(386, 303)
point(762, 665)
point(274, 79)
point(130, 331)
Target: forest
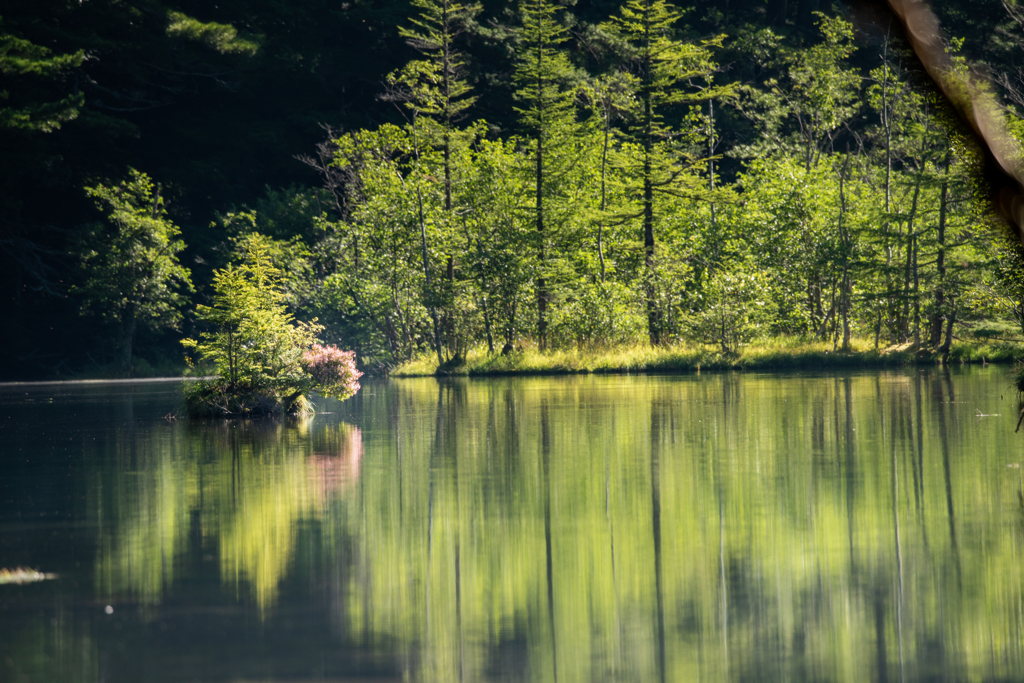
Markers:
point(433, 178)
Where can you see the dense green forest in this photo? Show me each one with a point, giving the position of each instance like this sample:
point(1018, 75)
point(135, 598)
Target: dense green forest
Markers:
point(435, 177)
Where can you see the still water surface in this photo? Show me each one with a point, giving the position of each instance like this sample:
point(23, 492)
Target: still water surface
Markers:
point(847, 527)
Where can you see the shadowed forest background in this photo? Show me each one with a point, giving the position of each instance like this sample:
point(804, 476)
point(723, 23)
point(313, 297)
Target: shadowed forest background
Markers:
point(433, 177)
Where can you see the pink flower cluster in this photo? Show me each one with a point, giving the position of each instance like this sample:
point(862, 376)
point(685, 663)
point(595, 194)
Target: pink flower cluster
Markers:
point(333, 370)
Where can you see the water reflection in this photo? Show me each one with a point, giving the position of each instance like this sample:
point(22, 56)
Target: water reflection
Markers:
point(725, 527)
point(242, 488)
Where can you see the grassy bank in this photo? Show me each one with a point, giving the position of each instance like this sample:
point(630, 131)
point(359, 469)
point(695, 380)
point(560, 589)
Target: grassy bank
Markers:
point(776, 354)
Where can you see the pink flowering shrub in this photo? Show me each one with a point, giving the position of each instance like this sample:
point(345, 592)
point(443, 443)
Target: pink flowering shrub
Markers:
point(333, 370)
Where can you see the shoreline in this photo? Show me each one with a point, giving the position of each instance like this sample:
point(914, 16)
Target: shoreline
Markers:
point(113, 380)
point(778, 355)
point(681, 360)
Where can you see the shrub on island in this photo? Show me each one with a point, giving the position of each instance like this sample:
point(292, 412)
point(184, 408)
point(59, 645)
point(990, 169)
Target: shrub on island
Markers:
point(266, 362)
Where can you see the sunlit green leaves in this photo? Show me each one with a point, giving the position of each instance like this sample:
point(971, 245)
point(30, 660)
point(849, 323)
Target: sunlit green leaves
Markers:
point(255, 345)
point(804, 111)
point(33, 98)
point(130, 268)
point(223, 38)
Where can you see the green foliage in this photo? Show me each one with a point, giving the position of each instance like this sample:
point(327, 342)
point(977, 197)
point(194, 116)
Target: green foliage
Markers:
point(610, 214)
point(32, 71)
point(791, 217)
point(294, 212)
point(661, 65)
point(131, 275)
point(834, 200)
point(377, 283)
point(546, 114)
point(501, 269)
point(292, 258)
point(665, 68)
point(436, 91)
point(598, 315)
point(222, 38)
point(1006, 284)
point(736, 307)
point(437, 84)
point(804, 109)
point(255, 346)
point(543, 70)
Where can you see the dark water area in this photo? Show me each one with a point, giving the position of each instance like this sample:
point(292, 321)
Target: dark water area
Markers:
point(865, 526)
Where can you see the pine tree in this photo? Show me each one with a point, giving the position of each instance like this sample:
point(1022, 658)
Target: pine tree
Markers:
point(662, 65)
point(34, 70)
point(436, 91)
point(445, 92)
point(546, 108)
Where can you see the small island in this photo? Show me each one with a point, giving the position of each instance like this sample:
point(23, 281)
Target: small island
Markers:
point(266, 362)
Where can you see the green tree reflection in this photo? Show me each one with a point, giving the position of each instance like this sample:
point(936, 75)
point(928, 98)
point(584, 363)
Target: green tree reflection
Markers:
point(826, 528)
point(725, 527)
point(244, 487)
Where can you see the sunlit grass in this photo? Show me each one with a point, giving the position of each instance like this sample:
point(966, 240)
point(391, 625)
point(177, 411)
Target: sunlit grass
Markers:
point(986, 352)
point(777, 353)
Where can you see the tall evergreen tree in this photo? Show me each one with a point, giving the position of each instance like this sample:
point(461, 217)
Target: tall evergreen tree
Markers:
point(445, 92)
point(435, 89)
point(546, 108)
point(662, 64)
point(37, 101)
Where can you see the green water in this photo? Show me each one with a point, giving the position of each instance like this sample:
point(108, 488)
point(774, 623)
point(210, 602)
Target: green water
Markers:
point(790, 527)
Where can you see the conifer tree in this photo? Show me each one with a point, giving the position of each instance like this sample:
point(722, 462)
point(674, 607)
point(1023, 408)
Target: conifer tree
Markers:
point(27, 66)
point(436, 91)
point(611, 99)
point(662, 65)
point(445, 92)
point(546, 107)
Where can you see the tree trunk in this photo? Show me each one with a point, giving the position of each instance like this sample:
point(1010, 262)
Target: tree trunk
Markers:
point(917, 298)
point(487, 327)
point(542, 288)
point(451, 330)
point(846, 308)
point(711, 166)
point(510, 328)
point(844, 230)
point(935, 335)
point(426, 275)
point(653, 322)
point(127, 342)
point(289, 401)
point(950, 320)
point(908, 268)
point(604, 193)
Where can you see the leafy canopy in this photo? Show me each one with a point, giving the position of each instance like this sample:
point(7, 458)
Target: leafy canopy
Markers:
point(256, 345)
point(131, 260)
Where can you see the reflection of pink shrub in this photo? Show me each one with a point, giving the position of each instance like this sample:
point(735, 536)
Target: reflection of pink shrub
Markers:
point(333, 470)
point(333, 370)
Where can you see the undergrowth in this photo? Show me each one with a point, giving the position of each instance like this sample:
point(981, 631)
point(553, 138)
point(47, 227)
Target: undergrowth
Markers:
point(780, 353)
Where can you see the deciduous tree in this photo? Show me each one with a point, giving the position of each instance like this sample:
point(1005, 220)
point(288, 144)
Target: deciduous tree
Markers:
point(131, 275)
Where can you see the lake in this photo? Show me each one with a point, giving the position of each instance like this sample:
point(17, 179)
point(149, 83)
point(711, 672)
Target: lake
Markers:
point(735, 526)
